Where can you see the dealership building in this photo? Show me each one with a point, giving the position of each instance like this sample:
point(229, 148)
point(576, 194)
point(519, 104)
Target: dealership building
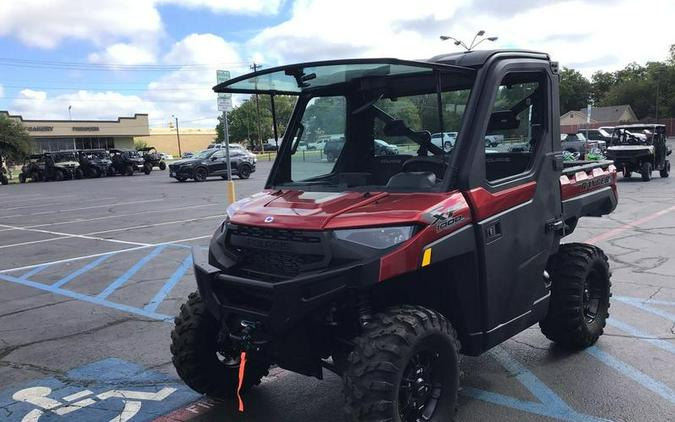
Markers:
point(57, 135)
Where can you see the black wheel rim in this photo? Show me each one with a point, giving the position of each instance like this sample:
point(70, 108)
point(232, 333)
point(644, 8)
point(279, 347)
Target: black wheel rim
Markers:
point(245, 172)
point(200, 175)
point(421, 387)
point(592, 296)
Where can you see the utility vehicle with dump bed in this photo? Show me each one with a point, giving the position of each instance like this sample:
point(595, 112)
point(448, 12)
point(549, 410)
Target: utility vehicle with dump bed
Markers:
point(385, 268)
point(640, 148)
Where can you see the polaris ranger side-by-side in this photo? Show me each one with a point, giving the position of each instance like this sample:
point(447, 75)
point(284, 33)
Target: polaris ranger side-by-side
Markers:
point(385, 268)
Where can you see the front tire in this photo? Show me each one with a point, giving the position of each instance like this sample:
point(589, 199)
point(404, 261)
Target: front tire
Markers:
point(580, 293)
point(403, 368)
point(646, 171)
point(4, 180)
point(197, 358)
point(162, 165)
point(200, 174)
point(129, 171)
point(665, 172)
point(244, 172)
point(58, 176)
point(22, 178)
point(147, 168)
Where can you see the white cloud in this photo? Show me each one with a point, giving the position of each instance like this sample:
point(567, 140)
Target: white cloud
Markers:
point(85, 105)
point(232, 6)
point(124, 54)
point(45, 24)
point(582, 34)
point(187, 92)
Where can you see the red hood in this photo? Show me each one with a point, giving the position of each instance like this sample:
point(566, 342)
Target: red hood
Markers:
point(331, 210)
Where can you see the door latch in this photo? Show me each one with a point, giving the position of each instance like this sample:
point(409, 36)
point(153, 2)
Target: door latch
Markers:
point(555, 225)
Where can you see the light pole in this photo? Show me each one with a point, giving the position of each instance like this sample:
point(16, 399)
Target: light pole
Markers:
point(473, 44)
point(180, 153)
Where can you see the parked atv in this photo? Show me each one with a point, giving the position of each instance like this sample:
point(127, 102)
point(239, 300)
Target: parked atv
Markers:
point(127, 161)
point(150, 155)
point(385, 268)
point(94, 163)
point(62, 165)
point(640, 148)
point(33, 168)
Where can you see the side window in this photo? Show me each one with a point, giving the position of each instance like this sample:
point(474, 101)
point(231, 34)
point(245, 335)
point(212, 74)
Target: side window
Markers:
point(219, 154)
point(516, 125)
point(321, 139)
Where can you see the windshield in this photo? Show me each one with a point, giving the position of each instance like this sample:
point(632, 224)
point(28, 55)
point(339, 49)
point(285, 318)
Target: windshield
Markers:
point(375, 136)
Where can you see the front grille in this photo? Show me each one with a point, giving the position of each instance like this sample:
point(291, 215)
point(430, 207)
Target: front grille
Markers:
point(276, 253)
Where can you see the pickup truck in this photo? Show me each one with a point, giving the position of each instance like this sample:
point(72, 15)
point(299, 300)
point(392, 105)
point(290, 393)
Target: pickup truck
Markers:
point(385, 268)
point(577, 143)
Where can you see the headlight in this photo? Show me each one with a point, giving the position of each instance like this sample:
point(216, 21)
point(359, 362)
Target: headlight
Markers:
point(378, 238)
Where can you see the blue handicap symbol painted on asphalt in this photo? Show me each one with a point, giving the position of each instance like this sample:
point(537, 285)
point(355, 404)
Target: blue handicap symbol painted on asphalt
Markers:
point(107, 390)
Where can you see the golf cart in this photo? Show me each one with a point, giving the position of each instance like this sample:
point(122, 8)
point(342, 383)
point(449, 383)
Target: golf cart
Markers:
point(127, 161)
point(385, 268)
point(150, 155)
point(94, 162)
point(640, 148)
point(33, 168)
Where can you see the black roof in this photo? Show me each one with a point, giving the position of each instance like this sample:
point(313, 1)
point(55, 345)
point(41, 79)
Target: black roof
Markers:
point(478, 58)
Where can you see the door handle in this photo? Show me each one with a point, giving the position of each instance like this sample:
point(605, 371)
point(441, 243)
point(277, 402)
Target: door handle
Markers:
point(493, 231)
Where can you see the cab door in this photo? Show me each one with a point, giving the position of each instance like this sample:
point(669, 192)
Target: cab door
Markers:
point(516, 202)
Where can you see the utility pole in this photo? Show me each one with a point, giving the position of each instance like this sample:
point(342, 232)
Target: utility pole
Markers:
point(255, 66)
point(180, 153)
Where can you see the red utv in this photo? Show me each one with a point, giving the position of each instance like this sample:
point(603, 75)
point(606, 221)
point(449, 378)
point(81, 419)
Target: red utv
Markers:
point(385, 268)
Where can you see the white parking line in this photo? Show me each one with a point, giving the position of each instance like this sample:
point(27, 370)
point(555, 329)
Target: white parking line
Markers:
point(80, 236)
point(105, 217)
point(68, 235)
point(51, 204)
point(83, 208)
point(77, 258)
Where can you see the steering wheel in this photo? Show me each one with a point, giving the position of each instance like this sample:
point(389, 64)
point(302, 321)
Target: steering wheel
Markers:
point(436, 165)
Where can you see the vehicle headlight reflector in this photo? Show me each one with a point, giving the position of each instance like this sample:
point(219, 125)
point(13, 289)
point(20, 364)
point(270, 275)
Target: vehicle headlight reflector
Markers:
point(377, 238)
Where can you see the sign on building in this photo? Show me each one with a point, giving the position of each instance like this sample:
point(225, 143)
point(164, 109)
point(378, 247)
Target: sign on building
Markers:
point(224, 100)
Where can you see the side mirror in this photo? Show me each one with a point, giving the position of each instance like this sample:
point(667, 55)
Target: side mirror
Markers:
point(213, 158)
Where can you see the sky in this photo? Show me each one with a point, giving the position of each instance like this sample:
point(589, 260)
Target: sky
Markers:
point(113, 58)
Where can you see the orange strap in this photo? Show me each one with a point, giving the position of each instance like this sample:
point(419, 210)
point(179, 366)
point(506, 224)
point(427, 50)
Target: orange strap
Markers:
point(242, 369)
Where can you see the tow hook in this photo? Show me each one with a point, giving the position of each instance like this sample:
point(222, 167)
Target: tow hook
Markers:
point(247, 336)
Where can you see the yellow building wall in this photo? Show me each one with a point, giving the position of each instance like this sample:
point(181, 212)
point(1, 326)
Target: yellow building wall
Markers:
point(191, 139)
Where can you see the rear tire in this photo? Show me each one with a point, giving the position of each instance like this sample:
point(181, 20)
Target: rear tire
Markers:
point(200, 174)
point(22, 178)
point(197, 359)
point(181, 179)
point(58, 175)
point(665, 172)
point(580, 293)
point(129, 171)
point(406, 359)
point(626, 173)
point(79, 174)
point(646, 171)
point(4, 180)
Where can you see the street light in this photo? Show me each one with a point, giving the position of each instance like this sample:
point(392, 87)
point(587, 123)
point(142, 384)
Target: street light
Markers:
point(473, 44)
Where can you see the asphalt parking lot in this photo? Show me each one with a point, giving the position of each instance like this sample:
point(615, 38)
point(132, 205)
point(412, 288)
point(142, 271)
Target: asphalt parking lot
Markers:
point(93, 271)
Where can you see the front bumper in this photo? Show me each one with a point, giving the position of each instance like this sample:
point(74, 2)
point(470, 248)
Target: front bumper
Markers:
point(276, 305)
point(181, 171)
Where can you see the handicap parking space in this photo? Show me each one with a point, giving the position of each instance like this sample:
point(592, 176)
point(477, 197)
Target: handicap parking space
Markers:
point(85, 320)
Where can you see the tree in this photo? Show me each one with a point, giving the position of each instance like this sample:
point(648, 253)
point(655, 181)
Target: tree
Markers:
point(601, 82)
point(243, 120)
point(15, 142)
point(575, 90)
